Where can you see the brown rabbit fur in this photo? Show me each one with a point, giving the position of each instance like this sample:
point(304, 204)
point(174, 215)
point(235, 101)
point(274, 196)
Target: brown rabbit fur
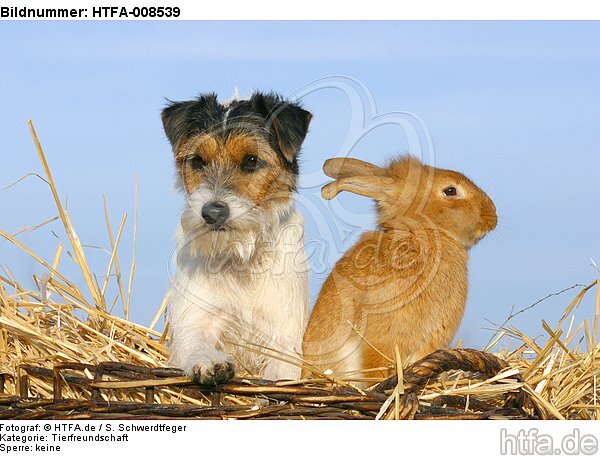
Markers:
point(404, 285)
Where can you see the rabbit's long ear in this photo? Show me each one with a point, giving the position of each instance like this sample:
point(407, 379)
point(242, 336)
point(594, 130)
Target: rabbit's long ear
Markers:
point(375, 187)
point(341, 167)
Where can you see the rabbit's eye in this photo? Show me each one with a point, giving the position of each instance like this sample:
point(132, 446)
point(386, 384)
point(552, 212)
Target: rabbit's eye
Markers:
point(449, 191)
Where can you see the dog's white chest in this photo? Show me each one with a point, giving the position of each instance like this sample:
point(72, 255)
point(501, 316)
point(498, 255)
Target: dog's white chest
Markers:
point(249, 313)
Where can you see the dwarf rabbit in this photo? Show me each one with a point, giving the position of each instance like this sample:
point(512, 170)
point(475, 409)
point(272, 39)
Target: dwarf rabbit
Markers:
point(405, 284)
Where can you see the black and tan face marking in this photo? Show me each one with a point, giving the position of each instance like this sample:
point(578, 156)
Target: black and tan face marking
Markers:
point(238, 162)
point(268, 117)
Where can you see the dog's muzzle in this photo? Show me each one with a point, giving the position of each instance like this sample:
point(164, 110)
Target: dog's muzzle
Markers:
point(215, 214)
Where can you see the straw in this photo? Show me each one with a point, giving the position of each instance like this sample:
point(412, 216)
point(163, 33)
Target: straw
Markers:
point(55, 321)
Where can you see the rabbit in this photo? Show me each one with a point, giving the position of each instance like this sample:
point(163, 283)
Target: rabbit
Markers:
point(403, 286)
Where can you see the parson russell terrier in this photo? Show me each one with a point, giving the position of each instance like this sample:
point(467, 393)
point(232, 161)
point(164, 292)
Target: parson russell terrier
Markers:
point(240, 287)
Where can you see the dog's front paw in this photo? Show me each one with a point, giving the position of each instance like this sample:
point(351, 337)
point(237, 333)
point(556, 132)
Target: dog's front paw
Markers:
point(214, 370)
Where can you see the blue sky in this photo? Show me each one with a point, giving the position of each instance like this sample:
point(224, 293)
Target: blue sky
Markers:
point(515, 106)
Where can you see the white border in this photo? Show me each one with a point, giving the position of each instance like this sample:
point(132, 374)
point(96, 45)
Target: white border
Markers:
point(351, 9)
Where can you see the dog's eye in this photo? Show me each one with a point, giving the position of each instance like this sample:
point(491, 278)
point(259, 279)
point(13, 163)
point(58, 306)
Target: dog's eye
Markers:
point(250, 164)
point(196, 162)
point(450, 191)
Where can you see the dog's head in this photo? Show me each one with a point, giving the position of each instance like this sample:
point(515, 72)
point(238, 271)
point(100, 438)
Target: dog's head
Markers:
point(238, 164)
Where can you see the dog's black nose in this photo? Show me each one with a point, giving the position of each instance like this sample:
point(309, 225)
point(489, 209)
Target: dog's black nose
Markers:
point(215, 213)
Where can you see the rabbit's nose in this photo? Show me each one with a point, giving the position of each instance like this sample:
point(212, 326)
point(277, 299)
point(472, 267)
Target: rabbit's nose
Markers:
point(489, 215)
point(215, 213)
point(490, 220)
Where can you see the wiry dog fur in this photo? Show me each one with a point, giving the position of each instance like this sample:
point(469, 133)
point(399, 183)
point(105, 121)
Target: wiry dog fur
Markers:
point(241, 284)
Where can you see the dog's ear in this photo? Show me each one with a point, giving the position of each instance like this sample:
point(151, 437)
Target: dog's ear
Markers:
point(180, 118)
point(175, 121)
point(287, 122)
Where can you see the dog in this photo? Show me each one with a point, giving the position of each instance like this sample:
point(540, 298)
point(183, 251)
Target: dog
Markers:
point(239, 292)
